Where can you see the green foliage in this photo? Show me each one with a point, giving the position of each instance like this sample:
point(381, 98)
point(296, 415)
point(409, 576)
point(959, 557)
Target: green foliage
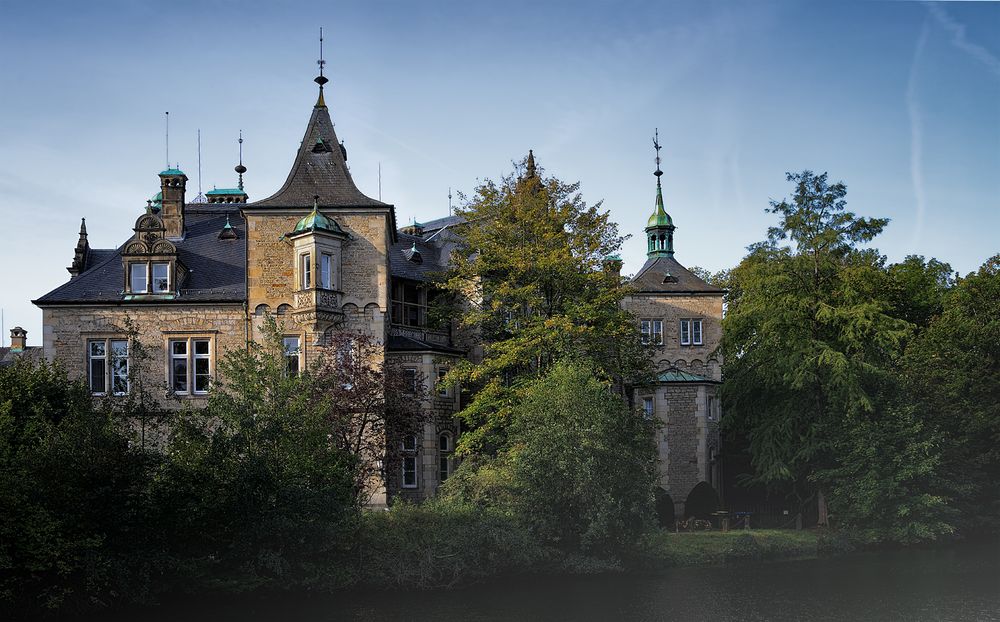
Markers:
point(441, 543)
point(70, 496)
point(952, 373)
point(579, 470)
point(530, 267)
point(664, 549)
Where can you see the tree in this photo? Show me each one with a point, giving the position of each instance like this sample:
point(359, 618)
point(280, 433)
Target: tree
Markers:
point(952, 373)
point(531, 270)
point(580, 470)
point(809, 337)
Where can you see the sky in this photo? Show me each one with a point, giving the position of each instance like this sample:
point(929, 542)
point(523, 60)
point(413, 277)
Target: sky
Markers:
point(900, 100)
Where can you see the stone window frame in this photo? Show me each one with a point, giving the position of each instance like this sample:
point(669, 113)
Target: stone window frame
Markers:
point(689, 323)
point(305, 270)
point(648, 337)
point(326, 271)
point(148, 278)
point(409, 463)
point(108, 359)
point(443, 391)
point(411, 388)
point(400, 308)
point(190, 356)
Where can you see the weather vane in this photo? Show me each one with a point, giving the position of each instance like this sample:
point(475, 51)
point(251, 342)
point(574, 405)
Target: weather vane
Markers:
point(656, 145)
point(321, 80)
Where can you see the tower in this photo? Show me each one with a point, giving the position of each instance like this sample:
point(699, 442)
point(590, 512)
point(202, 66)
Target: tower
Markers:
point(659, 227)
point(173, 181)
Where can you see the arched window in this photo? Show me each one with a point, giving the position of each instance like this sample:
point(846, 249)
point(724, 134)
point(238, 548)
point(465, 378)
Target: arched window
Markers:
point(261, 310)
point(283, 309)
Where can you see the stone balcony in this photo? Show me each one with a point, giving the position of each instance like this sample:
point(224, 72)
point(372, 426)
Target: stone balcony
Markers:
point(317, 307)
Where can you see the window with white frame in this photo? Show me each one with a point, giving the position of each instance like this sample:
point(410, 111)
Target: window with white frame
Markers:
point(161, 278)
point(691, 332)
point(445, 451)
point(651, 331)
point(409, 462)
point(305, 269)
point(137, 278)
point(647, 407)
point(443, 390)
point(292, 355)
point(107, 366)
point(190, 365)
point(326, 271)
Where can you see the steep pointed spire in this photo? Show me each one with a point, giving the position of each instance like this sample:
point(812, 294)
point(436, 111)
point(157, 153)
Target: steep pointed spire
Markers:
point(659, 227)
point(320, 168)
point(81, 251)
point(530, 168)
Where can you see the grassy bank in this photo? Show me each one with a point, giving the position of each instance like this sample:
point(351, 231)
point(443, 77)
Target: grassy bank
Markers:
point(666, 549)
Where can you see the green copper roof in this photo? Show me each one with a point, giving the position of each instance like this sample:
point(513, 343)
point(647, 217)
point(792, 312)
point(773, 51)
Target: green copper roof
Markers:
point(225, 191)
point(315, 221)
point(158, 197)
point(172, 171)
point(676, 375)
point(660, 217)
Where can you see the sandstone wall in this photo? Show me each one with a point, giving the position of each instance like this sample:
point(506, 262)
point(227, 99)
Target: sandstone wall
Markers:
point(671, 308)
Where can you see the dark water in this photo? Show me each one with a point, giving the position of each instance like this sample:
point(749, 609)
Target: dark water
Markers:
point(960, 583)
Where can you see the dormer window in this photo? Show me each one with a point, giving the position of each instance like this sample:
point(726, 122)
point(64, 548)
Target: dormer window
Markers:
point(137, 278)
point(161, 278)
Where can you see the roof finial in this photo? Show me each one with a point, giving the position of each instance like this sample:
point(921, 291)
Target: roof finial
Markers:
point(167, 139)
point(449, 200)
point(531, 165)
point(320, 79)
point(656, 145)
point(240, 169)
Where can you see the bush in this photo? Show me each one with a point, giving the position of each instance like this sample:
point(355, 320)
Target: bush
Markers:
point(701, 502)
point(441, 543)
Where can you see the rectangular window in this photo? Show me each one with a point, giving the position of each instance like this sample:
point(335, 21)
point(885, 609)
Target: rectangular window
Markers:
point(179, 366)
point(202, 365)
point(291, 355)
point(647, 407)
point(443, 390)
point(409, 466)
point(651, 332)
point(691, 332)
point(711, 409)
point(306, 261)
point(409, 471)
point(161, 277)
point(410, 380)
point(98, 365)
point(119, 366)
point(326, 271)
point(409, 306)
point(137, 278)
point(444, 452)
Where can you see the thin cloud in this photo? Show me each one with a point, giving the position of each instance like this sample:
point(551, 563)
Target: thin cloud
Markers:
point(959, 40)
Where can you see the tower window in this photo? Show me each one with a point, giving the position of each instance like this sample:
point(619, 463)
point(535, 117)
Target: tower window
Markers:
point(647, 407)
point(326, 271)
point(445, 450)
point(691, 332)
point(409, 462)
point(651, 331)
point(292, 363)
point(306, 270)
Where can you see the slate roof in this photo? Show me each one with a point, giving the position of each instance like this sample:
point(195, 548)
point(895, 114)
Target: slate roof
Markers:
point(216, 268)
point(665, 275)
point(320, 168)
point(398, 343)
point(401, 265)
point(433, 226)
point(9, 357)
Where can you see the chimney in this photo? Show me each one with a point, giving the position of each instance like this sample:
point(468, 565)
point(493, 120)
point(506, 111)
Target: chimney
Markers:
point(18, 339)
point(613, 265)
point(172, 184)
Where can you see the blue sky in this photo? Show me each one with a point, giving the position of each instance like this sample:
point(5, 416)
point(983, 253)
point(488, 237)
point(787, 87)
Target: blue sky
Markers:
point(900, 100)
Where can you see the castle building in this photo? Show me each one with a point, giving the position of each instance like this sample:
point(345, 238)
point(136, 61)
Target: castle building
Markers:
point(197, 280)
